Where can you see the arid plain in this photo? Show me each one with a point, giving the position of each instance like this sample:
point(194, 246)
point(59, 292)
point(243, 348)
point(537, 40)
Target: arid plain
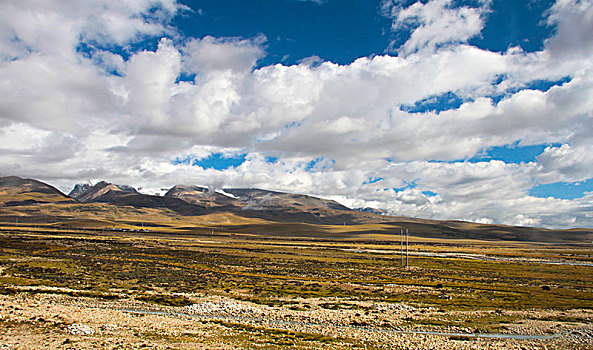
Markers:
point(99, 275)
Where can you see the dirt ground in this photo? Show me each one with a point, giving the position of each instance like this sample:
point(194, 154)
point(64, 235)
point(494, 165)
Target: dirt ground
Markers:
point(57, 321)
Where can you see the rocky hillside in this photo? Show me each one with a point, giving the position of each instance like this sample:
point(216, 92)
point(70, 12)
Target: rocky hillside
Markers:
point(203, 196)
point(122, 195)
point(101, 190)
point(254, 199)
point(270, 205)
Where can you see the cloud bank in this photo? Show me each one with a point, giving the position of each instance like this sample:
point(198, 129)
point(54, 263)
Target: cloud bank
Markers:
point(81, 102)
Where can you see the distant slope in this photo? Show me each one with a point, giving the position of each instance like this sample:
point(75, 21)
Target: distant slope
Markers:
point(79, 190)
point(288, 207)
point(203, 197)
point(254, 199)
point(271, 205)
point(264, 199)
point(470, 230)
point(15, 191)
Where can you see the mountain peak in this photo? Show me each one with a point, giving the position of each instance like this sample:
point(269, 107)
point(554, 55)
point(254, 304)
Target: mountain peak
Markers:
point(88, 192)
point(79, 190)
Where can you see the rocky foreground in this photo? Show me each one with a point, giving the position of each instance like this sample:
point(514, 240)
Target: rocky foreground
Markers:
point(58, 321)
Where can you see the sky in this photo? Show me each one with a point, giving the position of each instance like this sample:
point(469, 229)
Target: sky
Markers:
point(478, 110)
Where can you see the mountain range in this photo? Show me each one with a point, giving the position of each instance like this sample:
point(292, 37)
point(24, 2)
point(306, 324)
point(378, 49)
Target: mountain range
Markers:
point(252, 203)
point(190, 207)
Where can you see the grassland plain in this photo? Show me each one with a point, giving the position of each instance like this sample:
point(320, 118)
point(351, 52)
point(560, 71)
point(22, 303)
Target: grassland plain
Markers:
point(73, 289)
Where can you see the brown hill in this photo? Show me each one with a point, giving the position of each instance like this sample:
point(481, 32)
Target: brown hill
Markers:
point(15, 191)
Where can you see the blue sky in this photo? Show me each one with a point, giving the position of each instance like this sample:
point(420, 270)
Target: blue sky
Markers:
point(337, 31)
point(342, 31)
point(448, 109)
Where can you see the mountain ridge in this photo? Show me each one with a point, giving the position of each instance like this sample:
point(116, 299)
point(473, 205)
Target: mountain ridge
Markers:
point(241, 211)
point(124, 195)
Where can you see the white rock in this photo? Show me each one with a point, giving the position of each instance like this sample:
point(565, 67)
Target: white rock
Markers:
point(80, 329)
point(109, 327)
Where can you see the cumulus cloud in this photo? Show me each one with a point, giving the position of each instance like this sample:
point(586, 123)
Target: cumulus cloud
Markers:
point(75, 110)
point(435, 23)
point(149, 94)
point(57, 26)
point(210, 56)
point(47, 82)
point(566, 163)
point(574, 28)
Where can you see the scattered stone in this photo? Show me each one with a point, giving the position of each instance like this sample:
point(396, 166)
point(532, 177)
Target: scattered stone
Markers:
point(108, 327)
point(226, 307)
point(80, 329)
point(223, 323)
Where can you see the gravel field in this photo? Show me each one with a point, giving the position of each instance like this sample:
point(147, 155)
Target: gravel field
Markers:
point(56, 321)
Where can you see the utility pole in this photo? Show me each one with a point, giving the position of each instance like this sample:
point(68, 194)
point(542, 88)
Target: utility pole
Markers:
point(401, 249)
point(407, 244)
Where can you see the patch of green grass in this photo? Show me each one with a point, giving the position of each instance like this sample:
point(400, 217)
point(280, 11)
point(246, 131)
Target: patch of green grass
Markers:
point(262, 300)
point(79, 293)
point(561, 318)
point(272, 271)
point(166, 300)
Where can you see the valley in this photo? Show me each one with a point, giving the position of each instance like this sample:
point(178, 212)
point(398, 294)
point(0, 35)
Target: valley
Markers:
point(135, 273)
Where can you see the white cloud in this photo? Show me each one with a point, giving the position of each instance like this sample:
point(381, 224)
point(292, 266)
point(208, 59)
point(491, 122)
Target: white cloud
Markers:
point(56, 26)
point(566, 163)
point(435, 23)
point(343, 125)
point(211, 56)
point(22, 138)
point(65, 118)
point(574, 27)
point(55, 94)
point(150, 79)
